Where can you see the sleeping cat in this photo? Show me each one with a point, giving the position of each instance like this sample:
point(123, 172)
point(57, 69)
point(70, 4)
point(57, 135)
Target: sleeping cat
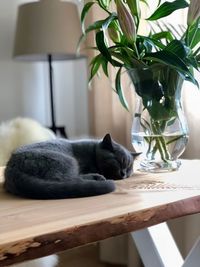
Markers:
point(65, 169)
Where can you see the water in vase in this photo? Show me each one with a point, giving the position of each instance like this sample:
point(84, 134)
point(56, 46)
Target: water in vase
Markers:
point(159, 152)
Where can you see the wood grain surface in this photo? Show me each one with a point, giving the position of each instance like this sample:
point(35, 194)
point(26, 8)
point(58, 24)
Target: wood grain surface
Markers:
point(34, 228)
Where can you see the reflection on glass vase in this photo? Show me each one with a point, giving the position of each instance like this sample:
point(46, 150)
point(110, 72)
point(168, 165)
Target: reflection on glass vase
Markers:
point(159, 127)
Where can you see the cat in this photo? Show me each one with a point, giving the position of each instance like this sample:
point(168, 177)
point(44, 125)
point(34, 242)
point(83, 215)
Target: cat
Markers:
point(66, 169)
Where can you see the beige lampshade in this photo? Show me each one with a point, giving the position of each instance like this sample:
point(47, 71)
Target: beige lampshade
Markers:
point(47, 27)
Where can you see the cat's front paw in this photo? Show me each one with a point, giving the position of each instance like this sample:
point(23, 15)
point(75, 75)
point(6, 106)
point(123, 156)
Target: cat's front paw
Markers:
point(94, 176)
point(98, 177)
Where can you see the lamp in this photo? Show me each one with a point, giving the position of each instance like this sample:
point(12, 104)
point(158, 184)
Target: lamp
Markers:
point(47, 30)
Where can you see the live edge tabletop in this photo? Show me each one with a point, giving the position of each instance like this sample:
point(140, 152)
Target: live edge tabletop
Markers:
point(34, 228)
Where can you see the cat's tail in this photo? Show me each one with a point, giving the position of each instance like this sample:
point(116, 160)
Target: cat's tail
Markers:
point(32, 187)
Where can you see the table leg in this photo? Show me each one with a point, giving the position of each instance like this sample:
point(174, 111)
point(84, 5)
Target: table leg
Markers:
point(157, 247)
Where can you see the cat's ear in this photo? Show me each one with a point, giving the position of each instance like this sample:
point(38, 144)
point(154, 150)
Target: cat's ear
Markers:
point(107, 143)
point(135, 154)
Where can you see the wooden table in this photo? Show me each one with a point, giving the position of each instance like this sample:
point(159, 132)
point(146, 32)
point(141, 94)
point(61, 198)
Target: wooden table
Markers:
point(34, 228)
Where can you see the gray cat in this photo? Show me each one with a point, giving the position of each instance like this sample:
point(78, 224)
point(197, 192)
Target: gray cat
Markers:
point(67, 169)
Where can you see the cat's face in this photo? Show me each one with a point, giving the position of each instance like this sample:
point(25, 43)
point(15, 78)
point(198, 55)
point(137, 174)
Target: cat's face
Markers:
point(113, 160)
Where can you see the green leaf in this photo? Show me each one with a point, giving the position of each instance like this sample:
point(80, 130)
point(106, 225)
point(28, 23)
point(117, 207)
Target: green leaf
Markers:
point(154, 42)
point(104, 4)
point(144, 46)
point(108, 21)
point(168, 58)
point(193, 34)
point(163, 35)
point(119, 55)
point(95, 64)
point(130, 59)
point(192, 61)
point(104, 64)
point(134, 7)
point(167, 8)
point(126, 55)
point(95, 26)
point(84, 12)
point(119, 90)
point(165, 112)
point(178, 48)
point(114, 32)
point(101, 45)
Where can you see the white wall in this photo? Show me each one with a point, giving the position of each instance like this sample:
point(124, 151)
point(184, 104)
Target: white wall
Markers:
point(24, 87)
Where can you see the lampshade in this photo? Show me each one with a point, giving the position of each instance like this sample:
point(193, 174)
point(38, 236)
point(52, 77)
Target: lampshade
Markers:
point(47, 27)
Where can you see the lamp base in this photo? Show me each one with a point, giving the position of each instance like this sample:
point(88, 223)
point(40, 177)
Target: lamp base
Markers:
point(59, 131)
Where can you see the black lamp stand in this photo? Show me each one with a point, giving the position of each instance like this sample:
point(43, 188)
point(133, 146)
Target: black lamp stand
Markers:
point(60, 131)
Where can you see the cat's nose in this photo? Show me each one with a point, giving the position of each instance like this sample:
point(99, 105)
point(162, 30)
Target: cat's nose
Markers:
point(123, 174)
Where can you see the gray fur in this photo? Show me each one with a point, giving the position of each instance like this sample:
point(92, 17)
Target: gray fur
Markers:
point(65, 169)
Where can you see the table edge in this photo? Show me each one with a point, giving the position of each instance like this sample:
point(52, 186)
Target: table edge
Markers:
point(64, 239)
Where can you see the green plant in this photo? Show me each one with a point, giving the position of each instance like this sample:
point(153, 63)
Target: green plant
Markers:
point(119, 43)
point(157, 62)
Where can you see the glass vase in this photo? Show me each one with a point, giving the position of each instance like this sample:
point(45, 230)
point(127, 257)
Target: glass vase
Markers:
point(159, 128)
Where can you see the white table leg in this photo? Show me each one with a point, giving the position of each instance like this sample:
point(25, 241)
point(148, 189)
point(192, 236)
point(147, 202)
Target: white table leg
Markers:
point(157, 247)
